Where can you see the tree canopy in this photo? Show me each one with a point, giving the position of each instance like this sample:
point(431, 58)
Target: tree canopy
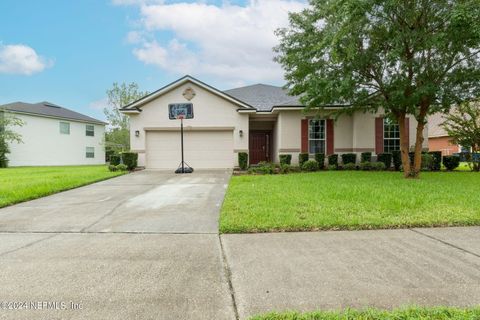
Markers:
point(463, 127)
point(117, 137)
point(412, 57)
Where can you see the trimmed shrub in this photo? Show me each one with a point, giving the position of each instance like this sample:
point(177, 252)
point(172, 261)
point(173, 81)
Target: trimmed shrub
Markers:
point(349, 158)
point(243, 160)
point(284, 168)
point(295, 169)
point(436, 160)
point(332, 167)
point(310, 165)
point(286, 159)
point(108, 154)
point(302, 158)
point(366, 166)
point(366, 157)
point(427, 162)
point(378, 166)
point(112, 168)
point(4, 150)
point(263, 168)
point(350, 166)
point(397, 160)
point(451, 162)
point(130, 159)
point(386, 159)
point(115, 159)
point(333, 160)
point(320, 158)
point(122, 167)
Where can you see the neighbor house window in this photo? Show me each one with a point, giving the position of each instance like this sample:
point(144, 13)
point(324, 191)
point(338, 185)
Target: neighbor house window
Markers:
point(316, 136)
point(90, 132)
point(90, 152)
point(391, 136)
point(64, 128)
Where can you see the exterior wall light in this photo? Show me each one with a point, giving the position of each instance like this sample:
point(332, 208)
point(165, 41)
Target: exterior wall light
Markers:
point(241, 133)
point(137, 133)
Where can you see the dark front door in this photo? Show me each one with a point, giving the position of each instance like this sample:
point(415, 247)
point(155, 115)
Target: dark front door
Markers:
point(259, 148)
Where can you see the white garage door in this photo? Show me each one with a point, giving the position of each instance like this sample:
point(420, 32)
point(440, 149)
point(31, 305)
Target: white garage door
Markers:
point(203, 149)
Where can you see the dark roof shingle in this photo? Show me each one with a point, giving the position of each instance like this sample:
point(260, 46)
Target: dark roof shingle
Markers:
point(49, 109)
point(264, 97)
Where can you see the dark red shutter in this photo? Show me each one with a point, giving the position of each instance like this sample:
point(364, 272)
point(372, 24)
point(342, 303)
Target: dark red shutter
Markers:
point(330, 137)
point(407, 129)
point(304, 135)
point(378, 135)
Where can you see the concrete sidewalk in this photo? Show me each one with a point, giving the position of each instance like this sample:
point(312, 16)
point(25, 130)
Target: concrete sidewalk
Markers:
point(334, 270)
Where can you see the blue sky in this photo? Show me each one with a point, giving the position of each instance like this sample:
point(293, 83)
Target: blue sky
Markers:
point(70, 52)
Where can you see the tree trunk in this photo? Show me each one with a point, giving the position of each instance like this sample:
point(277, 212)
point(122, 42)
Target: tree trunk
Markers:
point(417, 164)
point(404, 145)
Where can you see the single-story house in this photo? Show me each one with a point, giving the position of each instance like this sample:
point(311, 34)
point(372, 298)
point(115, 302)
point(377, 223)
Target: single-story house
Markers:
point(262, 120)
point(438, 139)
point(53, 135)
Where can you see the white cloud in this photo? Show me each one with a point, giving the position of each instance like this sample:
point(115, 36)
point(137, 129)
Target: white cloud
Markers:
point(21, 59)
point(99, 104)
point(228, 42)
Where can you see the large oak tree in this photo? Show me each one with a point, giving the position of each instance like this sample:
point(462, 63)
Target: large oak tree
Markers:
point(410, 57)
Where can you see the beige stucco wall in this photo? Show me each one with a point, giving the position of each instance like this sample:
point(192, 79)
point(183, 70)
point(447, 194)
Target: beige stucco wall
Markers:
point(209, 110)
point(355, 133)
point(44, 145)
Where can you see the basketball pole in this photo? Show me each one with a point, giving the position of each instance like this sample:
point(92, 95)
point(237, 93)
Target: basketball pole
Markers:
point(181, 135)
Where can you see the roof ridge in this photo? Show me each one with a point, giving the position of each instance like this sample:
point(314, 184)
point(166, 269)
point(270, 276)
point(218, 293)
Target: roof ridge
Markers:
point(256, 84)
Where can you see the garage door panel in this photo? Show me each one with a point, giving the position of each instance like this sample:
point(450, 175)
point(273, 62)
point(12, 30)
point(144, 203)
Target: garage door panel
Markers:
point(203, 149)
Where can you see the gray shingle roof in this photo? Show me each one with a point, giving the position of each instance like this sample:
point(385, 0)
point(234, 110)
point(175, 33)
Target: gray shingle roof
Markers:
point(264, 97)
point(435, 128)
point(49, 109)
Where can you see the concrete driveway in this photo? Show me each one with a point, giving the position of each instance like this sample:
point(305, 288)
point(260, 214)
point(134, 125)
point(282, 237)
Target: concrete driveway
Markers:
point(146, 201)
point(145, 246)
point(140, 246)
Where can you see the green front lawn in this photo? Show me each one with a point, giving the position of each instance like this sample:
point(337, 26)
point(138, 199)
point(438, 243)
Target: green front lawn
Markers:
point(27, 183)
point(372, 314)
point(349, 200)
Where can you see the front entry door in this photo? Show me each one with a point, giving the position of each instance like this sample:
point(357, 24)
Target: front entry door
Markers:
point(259, 148)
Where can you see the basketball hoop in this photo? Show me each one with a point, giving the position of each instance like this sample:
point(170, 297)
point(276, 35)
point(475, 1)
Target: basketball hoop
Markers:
point(180, 116)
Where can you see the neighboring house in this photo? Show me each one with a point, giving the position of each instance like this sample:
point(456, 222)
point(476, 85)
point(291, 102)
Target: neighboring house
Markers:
point(53, 135)
point(261, 120)
point(438, 139)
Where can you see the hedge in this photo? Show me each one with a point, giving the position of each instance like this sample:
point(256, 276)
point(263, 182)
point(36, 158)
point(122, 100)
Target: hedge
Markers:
point(320, 158)
point(451, 162)
point(302, 157)
point(286, 159)
point(397, 160)
point(349, 158)
point(243, 160)
point(333, 160)
point(436, 160)
point(130, 159)
point(115, 159)
point(366, 157)
point(310, 165)
point(386, 158)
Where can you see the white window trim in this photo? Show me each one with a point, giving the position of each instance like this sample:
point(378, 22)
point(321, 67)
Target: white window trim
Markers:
point(325, 135)
point(384, 138)
point(60, 127)
point(86, 153)
point(86, 130)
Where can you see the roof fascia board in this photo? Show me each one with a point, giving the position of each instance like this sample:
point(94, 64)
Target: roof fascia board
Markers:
point(180, 82)
point(59, 118)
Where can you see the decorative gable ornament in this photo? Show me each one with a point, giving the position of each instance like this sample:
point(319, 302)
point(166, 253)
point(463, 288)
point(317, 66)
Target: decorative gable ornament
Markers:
point(189, 93)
